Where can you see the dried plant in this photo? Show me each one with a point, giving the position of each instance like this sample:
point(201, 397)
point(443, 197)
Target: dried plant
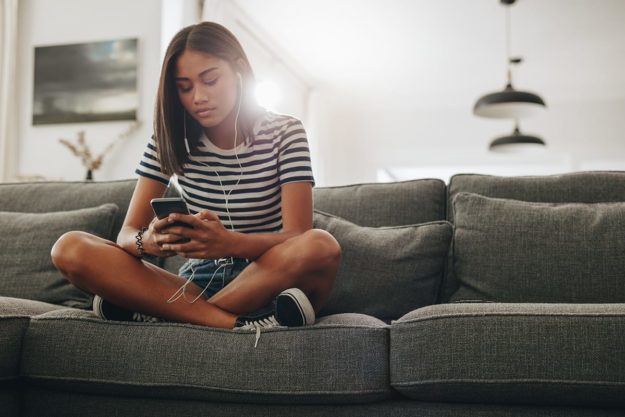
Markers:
point(82, 150)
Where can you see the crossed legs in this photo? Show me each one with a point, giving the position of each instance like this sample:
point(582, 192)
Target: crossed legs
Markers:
point(308, 261)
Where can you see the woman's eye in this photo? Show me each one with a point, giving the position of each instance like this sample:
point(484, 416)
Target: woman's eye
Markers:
point(187, 89)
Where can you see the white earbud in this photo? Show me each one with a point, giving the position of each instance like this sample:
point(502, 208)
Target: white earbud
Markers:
point(184, 123)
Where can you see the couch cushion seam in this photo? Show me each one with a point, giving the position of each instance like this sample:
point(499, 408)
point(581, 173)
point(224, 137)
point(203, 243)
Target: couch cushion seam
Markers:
point(214, 388)
point(482, 315)
point(508, 380)
point(210, 329)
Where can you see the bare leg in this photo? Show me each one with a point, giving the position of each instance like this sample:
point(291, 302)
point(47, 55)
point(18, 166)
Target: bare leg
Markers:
point(308, 261)
point(102, 267)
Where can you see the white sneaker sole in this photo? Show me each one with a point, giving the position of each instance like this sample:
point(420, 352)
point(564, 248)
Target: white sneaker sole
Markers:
point(97, 306)
point(301, 302)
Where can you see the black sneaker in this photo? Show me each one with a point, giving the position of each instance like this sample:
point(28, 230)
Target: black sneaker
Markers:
point(294, 309)
point(265, 319)
point(291, 308)
point(109, 311)
point(262, 319)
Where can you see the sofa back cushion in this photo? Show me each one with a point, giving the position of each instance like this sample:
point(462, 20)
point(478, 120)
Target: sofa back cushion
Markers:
point(26, 240)
point(574, 187)
point(387, 267)
point(515, 251)
point(385, 271)
point(47, 196)
point(374, 204)
point(384, 204)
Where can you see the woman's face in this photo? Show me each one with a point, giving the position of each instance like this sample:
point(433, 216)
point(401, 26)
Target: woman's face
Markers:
point(206, 85)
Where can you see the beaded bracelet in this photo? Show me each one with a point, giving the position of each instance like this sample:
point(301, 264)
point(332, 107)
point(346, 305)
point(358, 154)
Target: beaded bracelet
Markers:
point(139, 238)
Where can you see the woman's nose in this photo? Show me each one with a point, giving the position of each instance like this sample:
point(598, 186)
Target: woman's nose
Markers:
point(199, 96)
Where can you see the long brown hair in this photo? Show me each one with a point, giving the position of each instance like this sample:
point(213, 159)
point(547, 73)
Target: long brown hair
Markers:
point(214, 39)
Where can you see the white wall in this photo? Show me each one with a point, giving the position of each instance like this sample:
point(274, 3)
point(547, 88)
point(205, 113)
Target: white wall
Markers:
point(269, 61)
point(352, 136)
point(45, 22)
point(358, 137)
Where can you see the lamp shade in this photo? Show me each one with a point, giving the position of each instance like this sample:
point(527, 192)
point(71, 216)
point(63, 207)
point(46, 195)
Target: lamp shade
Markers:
point(509, 104)
point(516, 142)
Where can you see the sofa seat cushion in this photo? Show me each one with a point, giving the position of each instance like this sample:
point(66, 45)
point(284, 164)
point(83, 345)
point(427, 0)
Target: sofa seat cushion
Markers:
point(542, 354)
point(14, 317)
point(341, 359)
point(10, 401)
point(74, 404)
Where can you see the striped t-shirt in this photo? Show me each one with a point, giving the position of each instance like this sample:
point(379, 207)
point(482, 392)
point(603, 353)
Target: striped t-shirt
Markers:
point(278, 155)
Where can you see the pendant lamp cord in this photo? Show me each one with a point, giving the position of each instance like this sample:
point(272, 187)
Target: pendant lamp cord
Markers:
point(508, 60)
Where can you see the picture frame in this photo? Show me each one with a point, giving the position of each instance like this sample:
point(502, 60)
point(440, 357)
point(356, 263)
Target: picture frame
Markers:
point(85, 82)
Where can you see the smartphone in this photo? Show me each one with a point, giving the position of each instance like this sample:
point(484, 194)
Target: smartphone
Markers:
point(164, 206)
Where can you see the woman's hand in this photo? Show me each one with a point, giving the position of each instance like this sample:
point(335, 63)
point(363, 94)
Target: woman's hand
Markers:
point(156, 236)
point(209, 239)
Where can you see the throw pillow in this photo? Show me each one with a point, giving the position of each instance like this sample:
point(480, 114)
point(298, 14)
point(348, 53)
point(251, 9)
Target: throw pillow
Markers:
point(509, 250)
point(26, 240)
point(385, 271)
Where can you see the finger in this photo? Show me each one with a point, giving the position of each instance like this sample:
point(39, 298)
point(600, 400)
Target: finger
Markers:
point(189, 219)
point(183, 231)
point(181, 247)
point(159, 225)
point(162, 237)
point(207, 215)
point(172, 238)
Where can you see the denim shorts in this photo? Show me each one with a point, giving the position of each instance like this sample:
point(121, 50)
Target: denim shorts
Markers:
point(221, 270)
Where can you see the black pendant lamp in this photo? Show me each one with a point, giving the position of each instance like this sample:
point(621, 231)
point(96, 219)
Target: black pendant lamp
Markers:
point(509, 103)
point(516, 142)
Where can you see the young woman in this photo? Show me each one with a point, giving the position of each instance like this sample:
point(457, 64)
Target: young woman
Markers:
point(244, 172)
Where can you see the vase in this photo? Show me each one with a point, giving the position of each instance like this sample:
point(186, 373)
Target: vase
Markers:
point(89, 175)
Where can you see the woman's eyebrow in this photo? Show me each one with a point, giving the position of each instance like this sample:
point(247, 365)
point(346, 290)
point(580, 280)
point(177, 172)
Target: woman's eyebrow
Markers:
point(201, 73)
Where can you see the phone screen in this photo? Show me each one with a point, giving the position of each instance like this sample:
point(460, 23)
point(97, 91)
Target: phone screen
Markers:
point(164, 206)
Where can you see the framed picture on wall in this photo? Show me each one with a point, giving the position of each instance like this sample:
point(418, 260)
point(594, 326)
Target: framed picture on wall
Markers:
point(85, 82)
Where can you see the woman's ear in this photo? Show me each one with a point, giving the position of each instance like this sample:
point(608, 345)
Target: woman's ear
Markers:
point(239, 65)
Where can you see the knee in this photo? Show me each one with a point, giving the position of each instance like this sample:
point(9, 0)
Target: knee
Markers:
point(321, 249)
point(68, 250)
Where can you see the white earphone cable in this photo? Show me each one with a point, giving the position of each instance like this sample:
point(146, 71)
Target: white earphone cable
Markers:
point(228, 261)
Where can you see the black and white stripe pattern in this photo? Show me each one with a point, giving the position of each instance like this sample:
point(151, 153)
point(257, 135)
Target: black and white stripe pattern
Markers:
point(279, 155)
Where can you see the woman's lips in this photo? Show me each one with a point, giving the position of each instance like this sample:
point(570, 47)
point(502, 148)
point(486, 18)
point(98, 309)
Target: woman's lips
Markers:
point(205, 112)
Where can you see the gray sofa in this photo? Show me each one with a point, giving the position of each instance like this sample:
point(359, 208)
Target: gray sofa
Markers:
point(487, 296)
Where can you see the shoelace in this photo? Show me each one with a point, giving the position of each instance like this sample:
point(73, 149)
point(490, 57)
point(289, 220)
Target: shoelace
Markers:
point(144, 317)
point(260, 324)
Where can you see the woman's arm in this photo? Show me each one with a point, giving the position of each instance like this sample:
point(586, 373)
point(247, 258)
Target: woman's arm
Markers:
point(140, 214)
